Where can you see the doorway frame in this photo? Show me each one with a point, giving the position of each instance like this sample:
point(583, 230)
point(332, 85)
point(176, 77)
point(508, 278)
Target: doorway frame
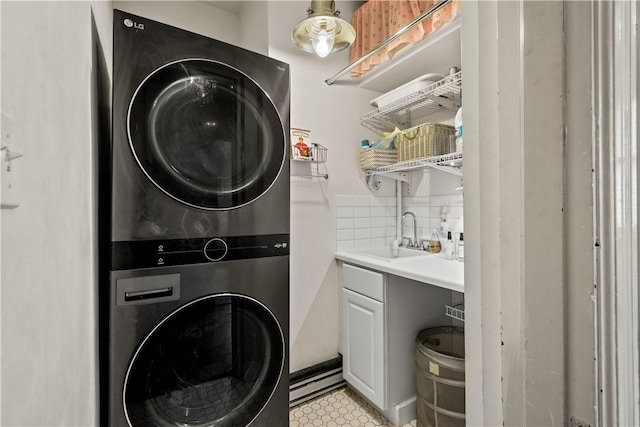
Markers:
point(616, 214)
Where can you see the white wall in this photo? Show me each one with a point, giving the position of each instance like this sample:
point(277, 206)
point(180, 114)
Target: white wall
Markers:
point(190, 15)
point(332, 113)
point(253, 27)
point(48, 276)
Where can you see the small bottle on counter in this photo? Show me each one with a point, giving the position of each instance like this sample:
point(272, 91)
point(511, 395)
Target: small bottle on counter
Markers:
point(449, 247)
point(434, 243)
point(461, 247)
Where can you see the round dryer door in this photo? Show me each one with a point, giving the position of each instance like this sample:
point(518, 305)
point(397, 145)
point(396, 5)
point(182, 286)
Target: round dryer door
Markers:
point(206, 134)
point(213, 362)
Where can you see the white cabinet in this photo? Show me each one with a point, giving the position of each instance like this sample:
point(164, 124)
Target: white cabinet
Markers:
point(382, 315)
point(364, 345)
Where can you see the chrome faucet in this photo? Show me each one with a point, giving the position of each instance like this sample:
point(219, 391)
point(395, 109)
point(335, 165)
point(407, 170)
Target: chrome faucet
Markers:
point(412, 243)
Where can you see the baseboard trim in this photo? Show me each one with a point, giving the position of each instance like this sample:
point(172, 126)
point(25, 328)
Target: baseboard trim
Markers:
point(404, 412)
point(315, 381)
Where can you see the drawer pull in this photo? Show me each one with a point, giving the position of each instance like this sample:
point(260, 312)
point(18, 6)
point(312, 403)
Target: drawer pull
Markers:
point(149, 294)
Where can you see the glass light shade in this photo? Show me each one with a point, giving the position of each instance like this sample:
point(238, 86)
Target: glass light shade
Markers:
point(323, 42)
point(323, 34)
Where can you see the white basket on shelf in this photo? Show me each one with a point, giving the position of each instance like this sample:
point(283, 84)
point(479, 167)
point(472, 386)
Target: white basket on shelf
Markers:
point(373, 158)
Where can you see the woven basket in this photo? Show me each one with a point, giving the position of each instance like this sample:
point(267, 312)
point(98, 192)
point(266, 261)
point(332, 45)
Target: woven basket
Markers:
point(425, 140)
point(377, 157)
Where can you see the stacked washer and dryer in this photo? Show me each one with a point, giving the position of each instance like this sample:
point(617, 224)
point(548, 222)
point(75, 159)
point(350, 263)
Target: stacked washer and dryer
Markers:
point(195, 299)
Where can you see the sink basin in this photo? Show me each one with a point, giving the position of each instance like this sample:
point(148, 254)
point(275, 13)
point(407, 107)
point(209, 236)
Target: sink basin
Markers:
point(386, 253)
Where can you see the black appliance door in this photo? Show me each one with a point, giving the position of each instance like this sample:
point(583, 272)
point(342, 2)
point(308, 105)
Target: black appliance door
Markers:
point(213, 362)
point(206, 134)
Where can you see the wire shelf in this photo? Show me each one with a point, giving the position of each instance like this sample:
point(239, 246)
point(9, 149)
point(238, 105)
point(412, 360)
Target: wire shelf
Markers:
point(451, 161)
point(453, 312)
point(414, 107)
point(315, 154)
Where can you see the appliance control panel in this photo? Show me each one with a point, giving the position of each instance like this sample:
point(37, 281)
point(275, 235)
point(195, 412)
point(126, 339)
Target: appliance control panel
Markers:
point(159, 253)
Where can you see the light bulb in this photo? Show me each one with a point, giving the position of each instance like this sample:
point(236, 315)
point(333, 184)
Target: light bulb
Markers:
point(322, 42)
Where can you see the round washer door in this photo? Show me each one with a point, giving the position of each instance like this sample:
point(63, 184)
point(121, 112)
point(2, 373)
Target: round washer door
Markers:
point(213, 362)
point(206, 134)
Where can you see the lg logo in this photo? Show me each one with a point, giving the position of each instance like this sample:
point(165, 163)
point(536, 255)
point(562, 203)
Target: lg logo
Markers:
point(129, 23)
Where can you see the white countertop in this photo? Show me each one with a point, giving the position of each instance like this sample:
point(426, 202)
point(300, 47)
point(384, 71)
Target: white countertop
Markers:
point(432, 269)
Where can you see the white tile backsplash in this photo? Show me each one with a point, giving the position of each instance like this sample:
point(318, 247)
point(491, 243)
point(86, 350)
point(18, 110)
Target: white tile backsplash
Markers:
point(438, 200)
point(362, 223)
point(379, 232)
point(362, 233)
point(370, 221)
point(421, 211)
point(379, 202)
point(362, 212)
point(380, 242)
point(362, 201)
point(379, 212)
point(345, 212)
point(455, 211)
point(455, 200)
point(362, 244)
point(345, 245)
point(345, 223)
point(434, 212)
point(419, 201)
point(380, 222)
point(342, 235)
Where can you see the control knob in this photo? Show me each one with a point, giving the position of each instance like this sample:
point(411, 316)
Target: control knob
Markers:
point(215, 249)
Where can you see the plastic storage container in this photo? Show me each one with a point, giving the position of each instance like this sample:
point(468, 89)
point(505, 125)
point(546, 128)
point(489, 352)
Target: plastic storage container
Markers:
point(458, 126)
point(440, 377)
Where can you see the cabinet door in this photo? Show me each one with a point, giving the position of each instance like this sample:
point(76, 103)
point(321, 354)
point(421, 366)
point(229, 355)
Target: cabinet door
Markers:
point(363, 347)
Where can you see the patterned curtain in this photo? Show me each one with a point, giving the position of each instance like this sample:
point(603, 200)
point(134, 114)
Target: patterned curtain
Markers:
point(377, 20)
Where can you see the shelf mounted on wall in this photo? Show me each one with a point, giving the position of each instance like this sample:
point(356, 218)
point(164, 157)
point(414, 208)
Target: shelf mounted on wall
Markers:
point(455, 312)
point(450, 163)
point(415, 107)
point(331, 80)
point(314, 155)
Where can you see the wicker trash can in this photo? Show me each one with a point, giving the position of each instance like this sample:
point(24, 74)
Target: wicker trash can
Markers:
point(440, 377)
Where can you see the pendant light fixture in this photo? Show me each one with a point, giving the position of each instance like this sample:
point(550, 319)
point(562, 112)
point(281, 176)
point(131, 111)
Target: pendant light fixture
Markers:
point(323, 32)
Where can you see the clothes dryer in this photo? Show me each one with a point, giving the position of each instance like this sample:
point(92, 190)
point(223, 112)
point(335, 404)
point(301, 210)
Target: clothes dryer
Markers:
point(200, 136)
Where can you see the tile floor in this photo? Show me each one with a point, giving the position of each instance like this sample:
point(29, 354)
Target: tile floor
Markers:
point(340, 408)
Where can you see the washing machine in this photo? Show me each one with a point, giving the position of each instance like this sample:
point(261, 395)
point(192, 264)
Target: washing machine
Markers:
point(203, 344)
point(194, 284)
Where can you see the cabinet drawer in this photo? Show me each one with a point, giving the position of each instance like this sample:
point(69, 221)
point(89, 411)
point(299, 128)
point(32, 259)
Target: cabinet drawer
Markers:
point(365, 282)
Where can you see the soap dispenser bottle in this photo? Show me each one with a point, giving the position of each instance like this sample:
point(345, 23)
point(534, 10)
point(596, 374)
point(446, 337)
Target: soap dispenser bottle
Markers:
point(449, 247)
point(434, 243)
point(461, 247)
